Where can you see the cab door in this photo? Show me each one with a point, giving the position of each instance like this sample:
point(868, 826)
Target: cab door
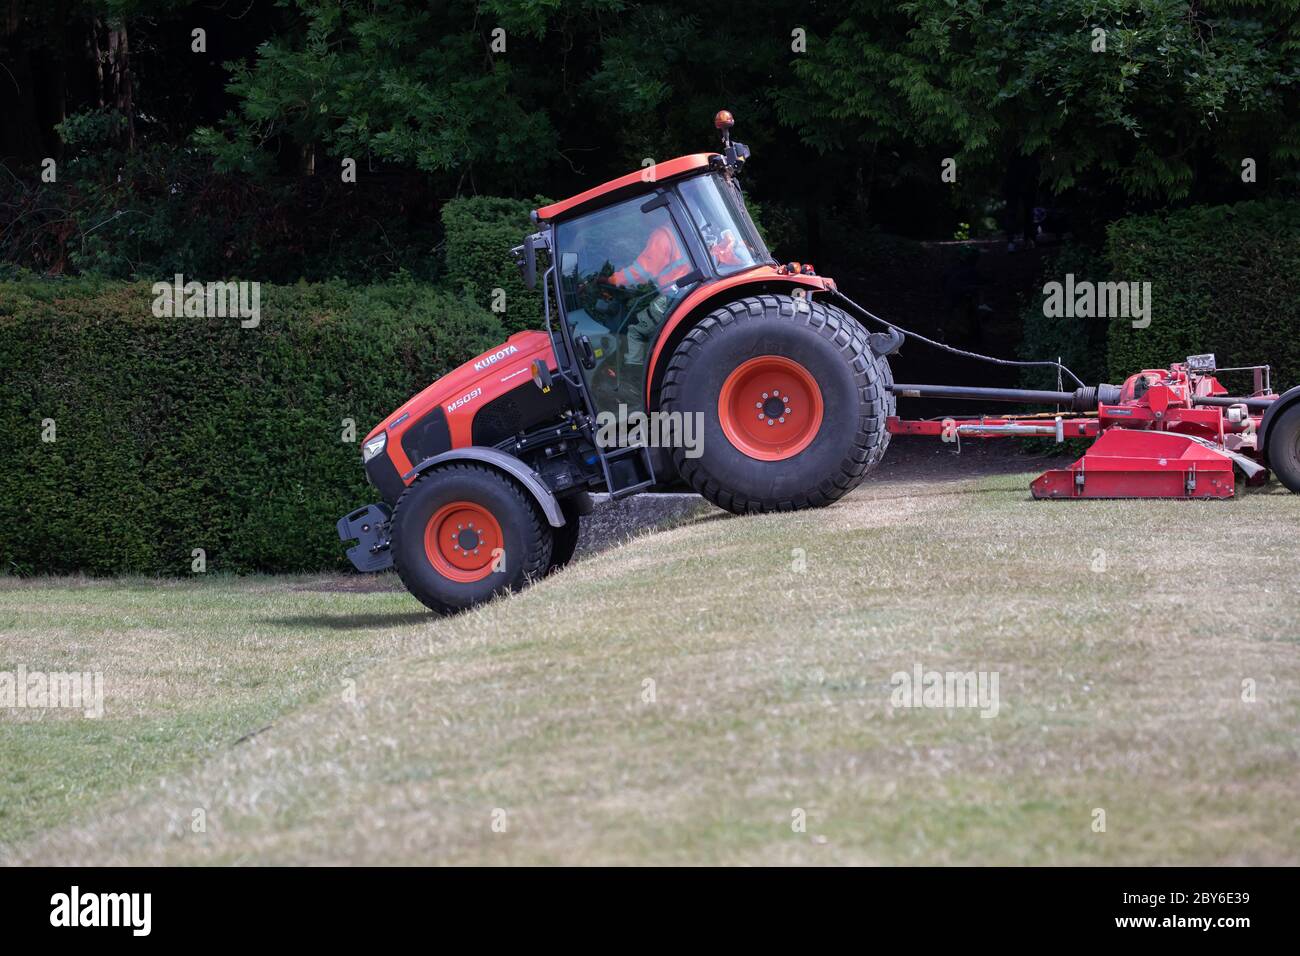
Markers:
point(620, 271)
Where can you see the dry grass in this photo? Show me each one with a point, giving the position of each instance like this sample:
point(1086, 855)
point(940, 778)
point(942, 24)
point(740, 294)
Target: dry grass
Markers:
point(1120, 689)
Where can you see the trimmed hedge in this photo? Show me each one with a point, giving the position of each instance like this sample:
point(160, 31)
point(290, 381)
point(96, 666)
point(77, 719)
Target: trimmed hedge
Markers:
point(180, 433)
point(480, 232)
point(1224, 279)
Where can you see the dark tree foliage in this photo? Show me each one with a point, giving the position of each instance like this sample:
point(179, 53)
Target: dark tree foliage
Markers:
point(1109, 106)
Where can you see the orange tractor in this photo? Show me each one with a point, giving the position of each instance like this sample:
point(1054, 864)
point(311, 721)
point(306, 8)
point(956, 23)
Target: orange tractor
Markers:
point(677, 354)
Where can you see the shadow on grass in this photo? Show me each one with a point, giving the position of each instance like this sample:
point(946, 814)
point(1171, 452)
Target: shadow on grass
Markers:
point(351, 622)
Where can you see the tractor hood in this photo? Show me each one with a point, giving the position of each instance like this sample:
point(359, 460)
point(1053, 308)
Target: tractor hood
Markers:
point(450, 403)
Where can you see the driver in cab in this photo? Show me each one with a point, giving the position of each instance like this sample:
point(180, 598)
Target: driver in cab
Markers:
point(660, 264)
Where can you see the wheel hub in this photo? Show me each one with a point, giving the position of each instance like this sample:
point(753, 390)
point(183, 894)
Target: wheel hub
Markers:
point(462, 541)
point(770, 408)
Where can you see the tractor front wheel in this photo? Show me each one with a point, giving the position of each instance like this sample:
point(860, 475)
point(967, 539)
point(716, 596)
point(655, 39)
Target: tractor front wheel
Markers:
point(462, 533)
point(793, 403)
point(565, 538)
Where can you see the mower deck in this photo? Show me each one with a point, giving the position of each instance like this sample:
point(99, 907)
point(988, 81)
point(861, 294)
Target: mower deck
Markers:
point(1132, 464)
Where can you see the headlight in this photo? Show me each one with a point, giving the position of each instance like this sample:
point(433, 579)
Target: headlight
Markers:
point(373, 447)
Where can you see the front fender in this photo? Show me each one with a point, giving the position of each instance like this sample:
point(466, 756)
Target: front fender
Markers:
point(508, 464)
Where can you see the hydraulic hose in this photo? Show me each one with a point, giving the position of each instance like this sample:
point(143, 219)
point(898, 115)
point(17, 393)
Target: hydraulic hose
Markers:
point(859, 310)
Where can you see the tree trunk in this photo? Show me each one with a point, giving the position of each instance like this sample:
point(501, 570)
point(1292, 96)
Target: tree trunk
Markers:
point(61, 69)
point(97, 54)
point(119, 61)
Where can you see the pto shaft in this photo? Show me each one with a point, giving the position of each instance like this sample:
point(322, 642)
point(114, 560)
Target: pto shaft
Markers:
point(1080, 400)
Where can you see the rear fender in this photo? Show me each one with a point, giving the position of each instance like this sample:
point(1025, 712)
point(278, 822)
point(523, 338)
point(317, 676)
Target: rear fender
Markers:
point(707, 298)
point(508, 465)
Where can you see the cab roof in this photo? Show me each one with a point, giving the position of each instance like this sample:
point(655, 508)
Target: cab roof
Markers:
point(634, 181)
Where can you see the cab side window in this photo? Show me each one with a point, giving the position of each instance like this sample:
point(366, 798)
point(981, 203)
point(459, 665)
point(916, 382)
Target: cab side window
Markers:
point(621, 271)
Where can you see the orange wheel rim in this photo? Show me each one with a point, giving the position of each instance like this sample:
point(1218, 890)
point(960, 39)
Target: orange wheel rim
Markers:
point(463, 541)
point(770, 408)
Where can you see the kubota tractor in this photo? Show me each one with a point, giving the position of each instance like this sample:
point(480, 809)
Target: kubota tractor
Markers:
point(666, 302)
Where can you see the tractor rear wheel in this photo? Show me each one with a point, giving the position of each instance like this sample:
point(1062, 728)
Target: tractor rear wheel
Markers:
point(463, 533)
point(1284, 448)
point(793, 401)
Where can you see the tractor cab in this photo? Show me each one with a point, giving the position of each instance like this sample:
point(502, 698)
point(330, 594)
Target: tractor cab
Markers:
point(621, 269)
point(626, 254)
point(625, 257)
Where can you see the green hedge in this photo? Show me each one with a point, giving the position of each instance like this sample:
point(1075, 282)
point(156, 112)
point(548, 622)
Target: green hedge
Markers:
point(1080, 344)
point(1224, 279)
point(180, 433)
point(480, 232)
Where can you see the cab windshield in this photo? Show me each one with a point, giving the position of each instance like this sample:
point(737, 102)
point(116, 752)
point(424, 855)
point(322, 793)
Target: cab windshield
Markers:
point(724, 224)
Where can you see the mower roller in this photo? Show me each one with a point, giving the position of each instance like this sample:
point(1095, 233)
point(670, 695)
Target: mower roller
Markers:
point(660, 299)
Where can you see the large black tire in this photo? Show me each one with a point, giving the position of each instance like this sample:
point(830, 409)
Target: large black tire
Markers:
point(524, 541)
point(1284, 448)
point(889, 402)
point(564, 539)
point(831, 349)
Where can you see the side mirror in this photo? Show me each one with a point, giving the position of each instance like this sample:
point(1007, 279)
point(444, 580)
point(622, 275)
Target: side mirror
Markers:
point(526, 260)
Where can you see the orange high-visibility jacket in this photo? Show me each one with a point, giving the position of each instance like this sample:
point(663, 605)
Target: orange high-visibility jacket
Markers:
point(661, 262)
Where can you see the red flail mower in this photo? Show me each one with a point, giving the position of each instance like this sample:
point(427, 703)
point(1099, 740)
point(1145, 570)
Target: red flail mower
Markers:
point(1173, 433)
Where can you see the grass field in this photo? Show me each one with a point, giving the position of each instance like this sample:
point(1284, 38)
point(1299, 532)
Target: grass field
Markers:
point(690, 696)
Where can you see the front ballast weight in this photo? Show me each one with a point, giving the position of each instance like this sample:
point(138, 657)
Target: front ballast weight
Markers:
point(368, 526)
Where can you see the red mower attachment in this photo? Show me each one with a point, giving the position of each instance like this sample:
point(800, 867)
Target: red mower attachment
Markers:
point(1173, 433)
point(1133, 464)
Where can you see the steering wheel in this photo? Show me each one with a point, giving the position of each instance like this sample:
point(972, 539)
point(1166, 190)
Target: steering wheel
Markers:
point(631, 300)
